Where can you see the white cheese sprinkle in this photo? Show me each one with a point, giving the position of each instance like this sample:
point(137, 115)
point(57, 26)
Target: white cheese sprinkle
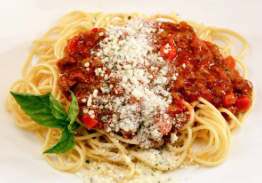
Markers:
point(89, 101)
point(128, 52)
point(95, 92)
point(83, 100)
point(87, 64)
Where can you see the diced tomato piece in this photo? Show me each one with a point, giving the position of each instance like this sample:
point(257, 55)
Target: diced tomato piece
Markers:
point(230, 62)
point(229, 100)
point(168, 50)
point(88, 121)
point(243, 103)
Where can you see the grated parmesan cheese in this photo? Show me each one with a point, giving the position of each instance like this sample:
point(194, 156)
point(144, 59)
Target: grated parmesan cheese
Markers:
point(137, 71)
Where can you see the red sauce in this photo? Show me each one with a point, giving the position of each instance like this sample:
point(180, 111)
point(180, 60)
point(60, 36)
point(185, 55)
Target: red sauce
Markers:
point(202, 72)
point(74, 75)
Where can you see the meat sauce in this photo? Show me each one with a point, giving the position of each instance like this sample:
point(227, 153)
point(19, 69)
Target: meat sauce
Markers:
point(74, 75)
point(201, 72)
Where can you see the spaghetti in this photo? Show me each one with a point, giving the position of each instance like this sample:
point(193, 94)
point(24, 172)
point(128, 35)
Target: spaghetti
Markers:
point(204, 139)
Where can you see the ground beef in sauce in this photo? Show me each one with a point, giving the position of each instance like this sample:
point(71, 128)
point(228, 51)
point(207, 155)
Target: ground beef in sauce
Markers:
point(201, 71)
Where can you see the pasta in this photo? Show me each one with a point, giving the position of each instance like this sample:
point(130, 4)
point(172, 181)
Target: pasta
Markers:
point(205, 138)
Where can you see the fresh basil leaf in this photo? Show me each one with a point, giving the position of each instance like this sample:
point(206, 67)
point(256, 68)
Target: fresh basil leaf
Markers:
point(37, 107)
point(66, 143)
point(73, 111)
point(57, 108)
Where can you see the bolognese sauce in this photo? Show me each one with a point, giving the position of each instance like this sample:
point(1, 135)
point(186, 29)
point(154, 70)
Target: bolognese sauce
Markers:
point(134, 80)
point(202, 70)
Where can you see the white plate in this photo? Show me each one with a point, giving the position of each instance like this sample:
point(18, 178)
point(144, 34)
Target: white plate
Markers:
point(23, 20)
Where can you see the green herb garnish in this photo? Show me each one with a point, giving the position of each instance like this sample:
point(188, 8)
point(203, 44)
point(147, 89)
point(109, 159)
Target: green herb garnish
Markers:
point(72, 111)
point(49, 112)
point(66, 142)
